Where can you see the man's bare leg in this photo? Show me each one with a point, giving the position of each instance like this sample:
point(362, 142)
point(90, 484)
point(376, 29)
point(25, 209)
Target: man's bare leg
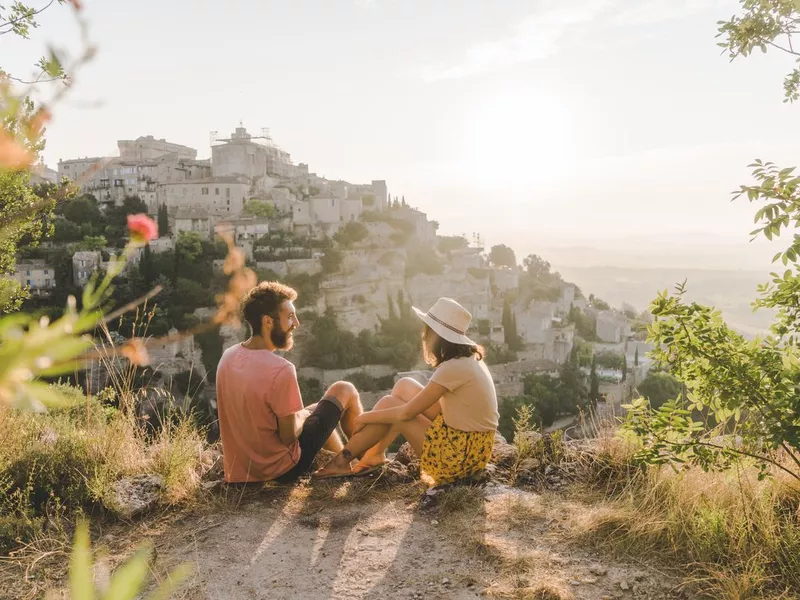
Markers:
point(347, 396)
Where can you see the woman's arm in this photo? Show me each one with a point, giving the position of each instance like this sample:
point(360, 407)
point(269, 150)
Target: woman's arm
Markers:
point(426, 398)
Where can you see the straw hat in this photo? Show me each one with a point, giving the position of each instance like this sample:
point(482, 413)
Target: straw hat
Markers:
point(449, 319)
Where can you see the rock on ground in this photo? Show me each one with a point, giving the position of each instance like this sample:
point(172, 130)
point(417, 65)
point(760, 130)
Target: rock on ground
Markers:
point(131, 496)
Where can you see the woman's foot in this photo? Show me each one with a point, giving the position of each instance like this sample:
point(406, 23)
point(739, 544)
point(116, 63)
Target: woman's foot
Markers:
point(338, 467)
point(370, 463)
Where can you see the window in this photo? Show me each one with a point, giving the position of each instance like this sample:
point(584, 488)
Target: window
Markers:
point(29, 281)
point(227, 192)
point(28, 273)
point(333, 201)
point(118, 183)
point(216, 191)
point(229, 202)
point(46, 272)
point(204, 191)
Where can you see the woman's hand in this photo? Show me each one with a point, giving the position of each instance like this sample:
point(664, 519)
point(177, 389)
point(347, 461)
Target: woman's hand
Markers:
point(359, 424)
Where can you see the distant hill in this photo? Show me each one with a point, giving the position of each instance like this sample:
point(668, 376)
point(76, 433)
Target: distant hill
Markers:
point(731, 291)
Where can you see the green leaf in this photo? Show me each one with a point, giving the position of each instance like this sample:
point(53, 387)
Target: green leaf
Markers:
point(52, 66)
point(128, 580)
point(81, 582)
point(175, 578)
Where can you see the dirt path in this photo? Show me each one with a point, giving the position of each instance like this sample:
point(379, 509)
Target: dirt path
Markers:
point(345, 541)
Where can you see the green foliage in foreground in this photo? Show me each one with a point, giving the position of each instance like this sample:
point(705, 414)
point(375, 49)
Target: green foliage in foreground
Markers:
point(742, 396)
point(127, 582)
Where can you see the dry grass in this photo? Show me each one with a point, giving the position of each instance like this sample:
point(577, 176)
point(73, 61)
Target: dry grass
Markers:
point(61, 464)
point(736, 536)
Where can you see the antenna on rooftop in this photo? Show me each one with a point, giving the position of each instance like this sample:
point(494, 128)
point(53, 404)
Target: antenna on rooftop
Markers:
point(213, 137)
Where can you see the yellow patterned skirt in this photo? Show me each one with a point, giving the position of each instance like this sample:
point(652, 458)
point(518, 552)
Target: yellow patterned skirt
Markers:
point(450, 454)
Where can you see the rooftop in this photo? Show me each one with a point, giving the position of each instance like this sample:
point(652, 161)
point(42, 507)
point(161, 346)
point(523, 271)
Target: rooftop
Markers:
point(211, 180)
point(192, 212)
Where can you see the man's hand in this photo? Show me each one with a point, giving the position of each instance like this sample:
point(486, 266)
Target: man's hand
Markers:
point(289, 427)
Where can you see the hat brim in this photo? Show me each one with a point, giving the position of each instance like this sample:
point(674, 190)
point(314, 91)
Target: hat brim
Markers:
point(442, 331)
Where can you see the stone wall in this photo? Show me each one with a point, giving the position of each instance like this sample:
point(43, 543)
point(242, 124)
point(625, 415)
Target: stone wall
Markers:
point(334, 375)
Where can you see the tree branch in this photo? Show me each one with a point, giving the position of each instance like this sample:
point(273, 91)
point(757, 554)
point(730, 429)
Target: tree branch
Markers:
point(10, 24)
point(766, 459)
point(35, 81)
point(789, 50)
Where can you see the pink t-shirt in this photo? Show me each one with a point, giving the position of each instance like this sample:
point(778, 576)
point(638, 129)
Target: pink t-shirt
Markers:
point(254, 389)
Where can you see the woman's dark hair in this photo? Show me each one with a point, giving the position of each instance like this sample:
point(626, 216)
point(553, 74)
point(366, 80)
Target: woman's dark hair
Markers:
point(438, 350)
point(265, 299)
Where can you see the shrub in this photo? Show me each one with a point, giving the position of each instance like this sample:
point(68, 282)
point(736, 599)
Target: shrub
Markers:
point(66, 460)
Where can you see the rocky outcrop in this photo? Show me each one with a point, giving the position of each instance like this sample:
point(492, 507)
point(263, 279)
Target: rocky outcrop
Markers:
point(131, 496)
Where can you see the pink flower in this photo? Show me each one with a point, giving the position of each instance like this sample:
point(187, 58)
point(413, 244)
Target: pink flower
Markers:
point(142, 228)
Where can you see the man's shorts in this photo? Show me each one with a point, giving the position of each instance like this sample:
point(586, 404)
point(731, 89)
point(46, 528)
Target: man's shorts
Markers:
point(317, 428)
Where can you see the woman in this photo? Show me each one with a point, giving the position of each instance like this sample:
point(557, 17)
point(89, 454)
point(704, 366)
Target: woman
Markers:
point(450, 423)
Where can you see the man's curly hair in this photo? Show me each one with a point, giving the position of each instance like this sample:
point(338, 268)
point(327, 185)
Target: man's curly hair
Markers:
point(265, 299)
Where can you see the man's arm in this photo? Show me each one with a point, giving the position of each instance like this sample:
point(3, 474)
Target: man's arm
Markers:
point(288, 406)
point(289, 427)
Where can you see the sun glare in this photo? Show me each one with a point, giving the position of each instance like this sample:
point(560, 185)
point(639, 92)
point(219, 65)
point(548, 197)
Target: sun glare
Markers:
point(529, 133)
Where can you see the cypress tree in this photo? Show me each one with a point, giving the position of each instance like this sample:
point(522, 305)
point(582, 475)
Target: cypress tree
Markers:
point(594, 386)
point(163, 221)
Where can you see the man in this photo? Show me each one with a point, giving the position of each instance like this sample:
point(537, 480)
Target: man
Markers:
point(266, 433)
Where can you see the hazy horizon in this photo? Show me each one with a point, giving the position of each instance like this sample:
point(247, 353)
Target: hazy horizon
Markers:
point(547, 126)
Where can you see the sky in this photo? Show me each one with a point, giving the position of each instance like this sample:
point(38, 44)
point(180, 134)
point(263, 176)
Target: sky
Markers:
point(599, 130)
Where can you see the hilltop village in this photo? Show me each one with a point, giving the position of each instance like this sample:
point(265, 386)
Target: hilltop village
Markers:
point(358, 256)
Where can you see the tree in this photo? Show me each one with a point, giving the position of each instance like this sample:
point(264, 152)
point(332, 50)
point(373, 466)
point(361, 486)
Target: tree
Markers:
point(24, 214)
point(210, 343)
point(572, 390)
point(259, 208)
point(449, 243)
point(331, 260)
point(585, 325)
point(351, 233)
point(597, 303)
point(147, 267)
point(608, 359)
point(624, 367)
point(93, 242)
point(536, 266)
point(745, 386)
point(594, 383)
point(83, 209)
point(509, 327)
point(636, 357)
point(762, 25)
point(502, 256)
point(659, 387)
point(163, 221)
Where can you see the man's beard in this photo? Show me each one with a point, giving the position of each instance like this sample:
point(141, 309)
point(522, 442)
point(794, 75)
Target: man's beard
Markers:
point(281, 339)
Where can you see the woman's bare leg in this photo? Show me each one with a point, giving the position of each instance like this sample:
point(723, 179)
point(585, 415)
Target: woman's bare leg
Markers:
point(413, 430)
point(376, 455)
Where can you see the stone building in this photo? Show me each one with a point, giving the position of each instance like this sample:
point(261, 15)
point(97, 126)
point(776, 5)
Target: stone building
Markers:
point(35, 274)
point(84, 263)
point(612, 327)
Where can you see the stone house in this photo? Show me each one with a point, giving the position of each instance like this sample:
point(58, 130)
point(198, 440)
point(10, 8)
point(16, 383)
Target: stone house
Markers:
point(84, 263)
point(612, 327)
point(192, 219)
point(35, 274)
